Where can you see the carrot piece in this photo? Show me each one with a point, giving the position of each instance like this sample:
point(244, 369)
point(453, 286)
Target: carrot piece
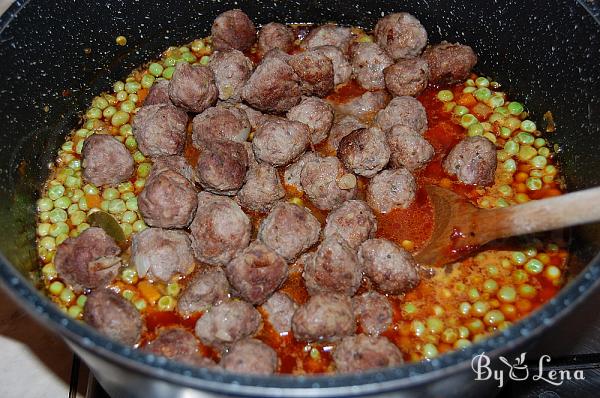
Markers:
point(141, 93)
point(467, 100)
point(149, 292)
point(93, 200)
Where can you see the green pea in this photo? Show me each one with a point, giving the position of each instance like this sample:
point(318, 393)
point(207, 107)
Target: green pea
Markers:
point(445, 95)
point(56, 288)
point(127, 106)
point(168, 72)
point(510, 165)
point(473, 294)
point(170, 61)
point(496, 117)
point(139, 157)
point(48, 243)
point(62, 203)
point(470, 83)
point(544, 151)
point(502, 110)
point(109, 112)
point(434, 325)
point(82, 227)
point(449, 336)
point(148, 80)
point(56, 191)
point(91, 124)
point(539, 162)
point(525, 138)
point(74, 311)
point(130, 142)
point(460, 110)
point(539, 142)
point(533, 183)
point(467, 120)
point(129, 275)
point(482, 93)
point(44, 216)
point(58, 229)
point(493, 318)
point(534, 266)
point(469, 90)
point(197, 45)
point(125, 187)
point(528, 125)
point(140, 304)
point(430, 351)
point(116, 206)
point(43, 229)
point(173, 289)
point(67, 295)
point(507, 294)
point(482, 82)
point(189, 57)
point(129, 217)
point(67, 146)
point(464, 308)
point(526, 152)
point(475, 129)
point(475, 325)
point(502, 203)
point(49, 271)
point(45, 204)
point(518, 258)
point(519, 276)
point(122, 95)
point(449, 106)
point(82, 203)
point(527, 291)
point(505, 190)
point(75, 164)
point(139, 183)
point(58, 215)
point(133, 98)
point(118, 86)
point(490, 286)
point(418, 328)
point(495, 101)
point(93, 113)
point(119, 118)
point(511, 147)
point(132, 204)
point(126, 130)
point(166, 303)
point(110, 193)
point(463, 332)
point(461, 344)
point(515, 108)
point(99, 102)
point(144, 169)
point(72, 182)
point(204, 60)
point(132, 87)
point(79, 147)
point(155, 69)
point(139, 226)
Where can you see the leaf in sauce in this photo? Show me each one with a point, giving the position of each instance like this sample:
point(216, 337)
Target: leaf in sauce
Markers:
point(108, 224)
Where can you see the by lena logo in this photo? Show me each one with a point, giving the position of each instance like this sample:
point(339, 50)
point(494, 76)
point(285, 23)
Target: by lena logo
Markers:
point(519, 370)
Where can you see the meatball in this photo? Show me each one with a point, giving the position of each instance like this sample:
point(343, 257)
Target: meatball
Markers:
point(158, 93)
point(168, 201)
point(256, 272)
point(391, 189)
point(275, 35)
point(233, 29)
point(113, 316)
point(450, 62)
point(328, 35)
point(218, 123)
point(228, 322)
point(256, 118)
point(401, 35)
point(280, 141)
point(273, 87)
point(342, 70)
point(279, 309)
point(292, 173)
point(222, 166)
point(408, 148)
point(389, 266)
point(403, 110)
point(289, 230)
point(250, 356)
point(326, 183)
point(407, 77)
point(373, 312)
point(88, 261)
point(175, 163)
point(368, 63)
point(162, 254)
point(365, 152)
point(333, 269)
point(160, 129)
point(359, 353)
point(472, 161)
point(231, 69)
point(342, 128)
point(204, 290)
point(262, 188)
point(316, 114)
point(353, 221)
point(193, 88)
point(180, 345)
point(365, 106)
point(315, 71)
point(106, 161)
point(220, 229)
point(324, 317)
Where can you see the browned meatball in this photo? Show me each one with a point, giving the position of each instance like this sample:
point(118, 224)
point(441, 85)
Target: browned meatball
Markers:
point(204, 290)
point(373, 312)
point(389, 266)
point(168, 201)
point(407, 77)
point(391, 189)
point(324, 317)
point(326, 183)
point(220, 229)
point(160, 129)
point(289, 230)
point(342, 128)
point(106, 161)
point(401, 35)
point(315, 71)
point(353, 221)
point(342, 70)
point(365, 152)
point(365, 106)
point(368, 63)
point(273, 87)
point(88, 261)
point(228, 322)
point(250, 356)
point(328, 35)
point(280, 141)
point(291, 176)
point(193, 88)
point(408, 148)
point(275, 35)
point(179, 345)
point(218, 123)
point(333, 269)
point(316, 114)
point(231, 69)
point(222, 166)
point(472, 161)
point(279, 309)
point(256, 272)
point(158, 93)
point(359, 353)
point(113, 316)
point(233, 29)
point(262, 188)
point(162, 254)
point(176, 163)
point(256, 118)
point(450, 62)
point(403, 110)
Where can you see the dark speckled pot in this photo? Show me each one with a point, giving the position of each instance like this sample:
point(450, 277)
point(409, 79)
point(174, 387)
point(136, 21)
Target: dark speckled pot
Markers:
point(546, 52)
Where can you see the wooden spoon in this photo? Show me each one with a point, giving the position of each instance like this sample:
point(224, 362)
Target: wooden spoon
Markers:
point(460, 228)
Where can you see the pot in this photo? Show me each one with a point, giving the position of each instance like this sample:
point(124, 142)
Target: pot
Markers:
point(57, 55)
